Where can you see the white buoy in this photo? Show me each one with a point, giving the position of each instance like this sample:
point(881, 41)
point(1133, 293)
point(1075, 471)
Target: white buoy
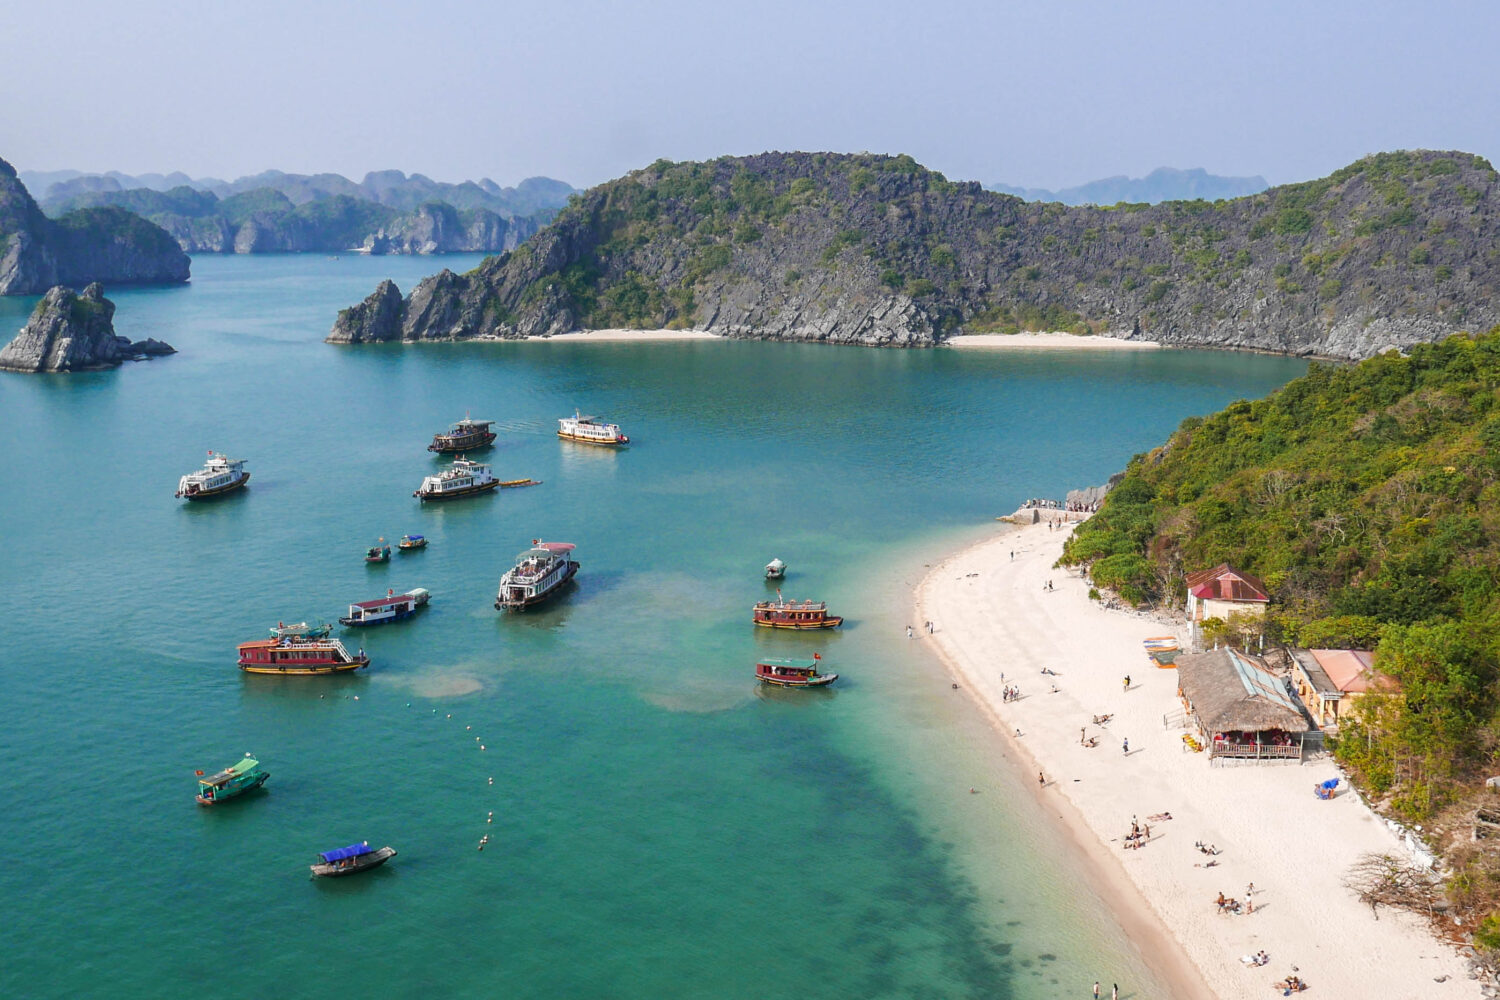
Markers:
point(468, 727)
point(481, 746)
point(356, 697)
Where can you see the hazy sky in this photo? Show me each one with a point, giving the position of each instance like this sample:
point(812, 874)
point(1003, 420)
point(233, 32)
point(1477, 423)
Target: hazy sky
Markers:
point(1037, 93)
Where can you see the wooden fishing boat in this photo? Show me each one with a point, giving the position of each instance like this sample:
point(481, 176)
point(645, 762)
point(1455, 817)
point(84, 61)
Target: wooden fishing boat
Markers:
point(461, 479)
point(794, 614)
point(590, 430)
point(539, 573)
point(351, 860)
point(299, 657)
point(409, 543)
point(220, 475)
point(378, 553)
point(465, 435)
point(792, 673)
point(775, 570)
point(300, 630)
point(391, 608)
point(238, 778)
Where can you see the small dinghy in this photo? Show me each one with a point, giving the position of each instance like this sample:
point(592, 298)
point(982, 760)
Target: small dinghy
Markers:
point(352, 859)
point(775, 570)
point(378, 553)
point(300, 630)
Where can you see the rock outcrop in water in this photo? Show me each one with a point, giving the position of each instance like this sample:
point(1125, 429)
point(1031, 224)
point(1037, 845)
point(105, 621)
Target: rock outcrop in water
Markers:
point(68, 332)
point(1393, 250)
point(95, 244)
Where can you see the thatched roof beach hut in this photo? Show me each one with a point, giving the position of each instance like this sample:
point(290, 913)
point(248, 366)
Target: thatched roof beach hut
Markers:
point(1241, 708)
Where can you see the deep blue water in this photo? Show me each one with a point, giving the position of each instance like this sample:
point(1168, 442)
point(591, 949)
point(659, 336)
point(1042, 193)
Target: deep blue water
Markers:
point(660, 826)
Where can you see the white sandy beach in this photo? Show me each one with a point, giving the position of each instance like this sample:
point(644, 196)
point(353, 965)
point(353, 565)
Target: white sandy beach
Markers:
point(602, 336)
point(1050, 341)
point(997, 625)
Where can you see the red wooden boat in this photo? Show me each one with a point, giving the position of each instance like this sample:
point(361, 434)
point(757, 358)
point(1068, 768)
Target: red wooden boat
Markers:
point(300, 656)
point(795, 614)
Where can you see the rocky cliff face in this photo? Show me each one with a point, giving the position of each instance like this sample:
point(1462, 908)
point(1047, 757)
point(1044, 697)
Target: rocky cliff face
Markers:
point(98, 244)
point(1393, 250)
point(68, 332)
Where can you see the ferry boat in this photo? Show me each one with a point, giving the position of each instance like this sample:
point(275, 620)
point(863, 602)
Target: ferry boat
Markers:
point(590, 430)
point(775, 570)
point(351, 860)
point(236, 779)
point(220, 475)
point(391, 608)
point(378, 553)
point(794, 614)
point(410, 543)
point(461, 479)
point(792, 673)
point(464, 435)
point(538, 573)
point(299, 657)
point(300, 630)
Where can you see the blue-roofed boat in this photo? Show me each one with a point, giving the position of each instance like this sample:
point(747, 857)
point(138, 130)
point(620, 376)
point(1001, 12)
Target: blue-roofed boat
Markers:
point(410, 542)
point(359, 857)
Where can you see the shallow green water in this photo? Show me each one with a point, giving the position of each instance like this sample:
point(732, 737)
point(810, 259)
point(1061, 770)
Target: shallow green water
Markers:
point(661, 827)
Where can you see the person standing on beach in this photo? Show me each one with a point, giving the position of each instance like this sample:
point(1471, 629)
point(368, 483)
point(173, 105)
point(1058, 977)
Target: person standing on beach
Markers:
point(908, 632)
point(1127, 746)
point(1041, 779)
point(1096, 989)
point(1114, 994)
point(1127, 682)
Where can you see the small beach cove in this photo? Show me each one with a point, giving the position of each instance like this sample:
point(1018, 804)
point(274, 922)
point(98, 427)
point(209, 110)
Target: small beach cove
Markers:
point(1002, 613)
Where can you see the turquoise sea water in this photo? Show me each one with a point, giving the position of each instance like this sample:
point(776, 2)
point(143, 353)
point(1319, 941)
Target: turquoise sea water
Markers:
point(661, 827)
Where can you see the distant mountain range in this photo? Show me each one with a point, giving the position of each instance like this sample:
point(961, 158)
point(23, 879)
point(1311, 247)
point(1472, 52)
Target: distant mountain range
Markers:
point(1161, 184)
point(387, 212)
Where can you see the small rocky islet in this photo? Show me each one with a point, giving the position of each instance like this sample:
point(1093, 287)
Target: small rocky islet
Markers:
point(1393, 250)
point(71, 332)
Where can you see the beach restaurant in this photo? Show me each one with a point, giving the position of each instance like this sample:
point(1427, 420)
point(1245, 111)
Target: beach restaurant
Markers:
point(1330, 682)
point(1240, 708)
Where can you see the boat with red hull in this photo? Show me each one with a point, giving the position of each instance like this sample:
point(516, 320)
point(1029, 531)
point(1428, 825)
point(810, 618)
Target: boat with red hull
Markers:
point(795, 614)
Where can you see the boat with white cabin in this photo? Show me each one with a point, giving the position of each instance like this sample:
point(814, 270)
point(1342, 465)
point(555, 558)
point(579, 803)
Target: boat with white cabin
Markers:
point(391, 608)
point(461, 479)
point(220, 475)
point(590, 430)
point(539, 573)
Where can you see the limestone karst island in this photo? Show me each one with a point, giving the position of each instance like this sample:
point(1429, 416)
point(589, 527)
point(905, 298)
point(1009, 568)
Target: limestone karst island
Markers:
point(979, 501)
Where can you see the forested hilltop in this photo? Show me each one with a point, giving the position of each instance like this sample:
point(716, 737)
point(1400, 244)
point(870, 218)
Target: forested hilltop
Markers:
point(1396, 249)
point(1368, 500)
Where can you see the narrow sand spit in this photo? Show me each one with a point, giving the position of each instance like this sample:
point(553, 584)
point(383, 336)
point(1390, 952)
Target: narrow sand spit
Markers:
point(997, 625)
point(602, 336)
point(1050, 341)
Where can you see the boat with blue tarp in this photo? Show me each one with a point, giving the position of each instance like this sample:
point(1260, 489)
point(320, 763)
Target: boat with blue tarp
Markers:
point(236, 779)
point(359, 857)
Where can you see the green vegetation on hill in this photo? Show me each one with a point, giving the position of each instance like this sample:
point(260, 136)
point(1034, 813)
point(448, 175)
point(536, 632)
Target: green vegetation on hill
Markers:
point(1368, 500)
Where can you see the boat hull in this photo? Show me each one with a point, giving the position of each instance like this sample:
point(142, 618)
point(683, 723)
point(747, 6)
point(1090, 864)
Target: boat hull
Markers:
point(309, 670)
point(468, 491)
point(468, 443)
point(226, 794)
point(822, 680)
point(832, 621)
point(364, 863)
point(546, 595)
point(214, 494)
point(619, 442)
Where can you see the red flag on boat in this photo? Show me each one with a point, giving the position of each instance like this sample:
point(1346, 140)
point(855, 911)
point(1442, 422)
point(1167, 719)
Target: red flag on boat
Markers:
point(198, 773)
point(817, 656)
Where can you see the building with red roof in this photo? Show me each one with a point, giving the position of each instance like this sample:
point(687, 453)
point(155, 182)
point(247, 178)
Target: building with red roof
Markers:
point(1223, 591)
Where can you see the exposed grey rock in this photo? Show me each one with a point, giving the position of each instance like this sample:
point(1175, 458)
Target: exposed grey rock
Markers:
point(68, 332)
point(377, 318)
point(1091, 496)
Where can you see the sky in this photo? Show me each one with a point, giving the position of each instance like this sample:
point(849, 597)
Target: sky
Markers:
point(1045, 93)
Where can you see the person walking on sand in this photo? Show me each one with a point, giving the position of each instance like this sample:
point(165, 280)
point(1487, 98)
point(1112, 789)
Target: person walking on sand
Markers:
point(1096, 989)
point(908, 632)
point(1127, 746)
point(1114, 994)
point(1041, 779)
point(1127, 682)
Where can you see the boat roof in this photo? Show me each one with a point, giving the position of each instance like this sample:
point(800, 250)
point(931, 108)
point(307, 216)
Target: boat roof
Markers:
point(234, 770)
point(382, 602)
point(340, 853)
point(412, 538)
point(542, 549)
point(294, 643)
point(468, 422)
point(778, 661)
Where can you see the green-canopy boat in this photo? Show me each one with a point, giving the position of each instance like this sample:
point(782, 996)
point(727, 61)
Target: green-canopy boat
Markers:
point(236, 779)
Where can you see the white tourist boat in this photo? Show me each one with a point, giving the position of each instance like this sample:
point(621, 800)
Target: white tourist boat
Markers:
point(538, 573)
point(219, 476)
point(590, 430)
point(461, 479)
